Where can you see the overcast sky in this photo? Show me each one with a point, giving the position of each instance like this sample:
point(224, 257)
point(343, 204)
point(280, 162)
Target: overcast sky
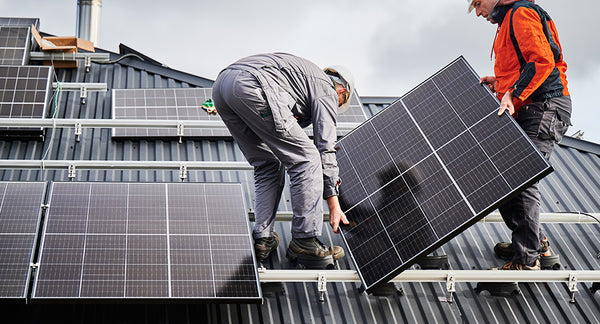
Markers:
point(390, 45)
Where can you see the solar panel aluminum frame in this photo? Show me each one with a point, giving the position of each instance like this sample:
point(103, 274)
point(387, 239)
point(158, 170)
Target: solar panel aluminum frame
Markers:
point(38, 219)
point(438, 243)
point(145, 300)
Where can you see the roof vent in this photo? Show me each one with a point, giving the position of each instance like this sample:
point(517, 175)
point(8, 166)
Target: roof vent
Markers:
point(88, 19)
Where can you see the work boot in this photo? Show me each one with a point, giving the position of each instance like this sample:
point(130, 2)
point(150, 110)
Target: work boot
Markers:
point(265, 245)
point(505, 250)
point(312, 247)
point(518, 266)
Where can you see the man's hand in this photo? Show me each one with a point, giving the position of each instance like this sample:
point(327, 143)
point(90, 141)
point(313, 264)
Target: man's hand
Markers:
point(489, 81)
point(335, 213)
point(507, 104)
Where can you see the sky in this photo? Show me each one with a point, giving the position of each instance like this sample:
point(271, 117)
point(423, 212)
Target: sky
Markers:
point(389, 45)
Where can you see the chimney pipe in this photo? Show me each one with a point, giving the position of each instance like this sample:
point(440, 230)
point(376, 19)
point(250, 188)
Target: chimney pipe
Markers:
point(88, 19)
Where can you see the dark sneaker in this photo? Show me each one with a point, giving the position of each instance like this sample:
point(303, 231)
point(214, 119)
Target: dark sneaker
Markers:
point(518, 266)
point(265, 245)
point(312, 247)
point(505, 250)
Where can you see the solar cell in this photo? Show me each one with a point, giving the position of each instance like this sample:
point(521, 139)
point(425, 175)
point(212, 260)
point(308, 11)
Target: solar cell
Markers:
point(20, 212)
point(147, 241)
point(14, 45)
point(427, 167)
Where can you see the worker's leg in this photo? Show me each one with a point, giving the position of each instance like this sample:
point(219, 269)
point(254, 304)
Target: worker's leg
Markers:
point(269, 175)
point(291, 146)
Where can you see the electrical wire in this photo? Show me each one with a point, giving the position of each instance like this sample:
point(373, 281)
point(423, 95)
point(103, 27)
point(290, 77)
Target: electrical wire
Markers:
point(55, 101)
point(580, 213)
point(120, 58)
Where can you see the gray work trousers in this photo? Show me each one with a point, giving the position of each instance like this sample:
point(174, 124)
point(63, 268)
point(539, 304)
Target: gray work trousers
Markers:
point(241, 103)
point(544, 125)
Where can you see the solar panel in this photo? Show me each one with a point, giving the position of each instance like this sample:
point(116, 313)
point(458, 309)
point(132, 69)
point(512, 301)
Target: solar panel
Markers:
point(26, 22)
point(14, 45)
point(163, 104)
point(146, 241)
point(427, 167)
point(20, 212)
point(24, 91)
point(186, 104)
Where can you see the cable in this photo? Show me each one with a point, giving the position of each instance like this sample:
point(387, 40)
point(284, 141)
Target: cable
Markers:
point(55, 99)
point(580, 213)
point(120, 58)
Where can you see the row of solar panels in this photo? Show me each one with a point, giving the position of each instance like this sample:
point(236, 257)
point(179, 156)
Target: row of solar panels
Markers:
point(25, 93)
point(98, 241)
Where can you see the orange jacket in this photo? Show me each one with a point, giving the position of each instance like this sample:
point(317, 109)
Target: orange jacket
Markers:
point(528, 53)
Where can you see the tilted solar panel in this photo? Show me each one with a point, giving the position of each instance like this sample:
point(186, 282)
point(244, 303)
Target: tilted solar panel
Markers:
point(146, 241)
point(14, 45)
point(20, 212)
point(426, 168)
point(24, 91)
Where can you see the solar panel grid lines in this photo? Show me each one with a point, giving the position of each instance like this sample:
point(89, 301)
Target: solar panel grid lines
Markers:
point(427, 167)
point(16, 21)
point(14, 45)
point(163, 104)
point(24, 91)
point(20, 214)
point(146, 241)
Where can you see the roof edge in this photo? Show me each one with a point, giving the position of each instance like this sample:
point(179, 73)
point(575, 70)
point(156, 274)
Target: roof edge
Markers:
point(581, 145)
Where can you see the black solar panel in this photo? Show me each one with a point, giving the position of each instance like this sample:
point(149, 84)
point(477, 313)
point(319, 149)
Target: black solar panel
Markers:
point(426, 168)
point(186, 104)
point(20, 212)
point(14, 45)
point(24, 91)
point(146, 241)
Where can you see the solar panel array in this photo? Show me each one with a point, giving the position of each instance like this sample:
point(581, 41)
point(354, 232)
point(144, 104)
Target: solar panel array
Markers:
point(163, 104)
point(146, 241)
point(185, 104)
point(426, 168)
point(14, 45)
point(20, 212)
point(24, 91)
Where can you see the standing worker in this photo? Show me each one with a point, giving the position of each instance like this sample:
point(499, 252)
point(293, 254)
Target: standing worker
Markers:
point(265, 100)
point(531, 83)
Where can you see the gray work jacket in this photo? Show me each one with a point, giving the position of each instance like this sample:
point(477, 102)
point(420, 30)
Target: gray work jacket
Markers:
point(299, 91)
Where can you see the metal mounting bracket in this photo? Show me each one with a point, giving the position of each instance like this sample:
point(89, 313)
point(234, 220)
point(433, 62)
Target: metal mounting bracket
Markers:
point(180, 129)
point(182, 172)
point(77, 131)
point(572, 287)
point(450, 286)
point(72, 171)
point(322, 285)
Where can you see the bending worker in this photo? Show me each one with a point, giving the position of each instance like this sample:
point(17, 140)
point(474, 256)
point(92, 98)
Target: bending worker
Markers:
point(531, 83)
point(265, 100)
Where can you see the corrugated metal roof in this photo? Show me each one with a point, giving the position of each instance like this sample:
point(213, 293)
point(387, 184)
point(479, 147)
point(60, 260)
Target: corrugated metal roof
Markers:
point(573, 186)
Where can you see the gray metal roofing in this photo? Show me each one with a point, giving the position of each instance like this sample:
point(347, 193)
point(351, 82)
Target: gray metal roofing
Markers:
point(574, 186)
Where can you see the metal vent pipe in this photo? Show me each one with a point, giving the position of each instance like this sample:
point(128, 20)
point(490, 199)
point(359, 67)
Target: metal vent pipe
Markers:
point(88, 19)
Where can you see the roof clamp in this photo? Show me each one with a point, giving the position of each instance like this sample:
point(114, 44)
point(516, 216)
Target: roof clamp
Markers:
point(77, 131)
point(45, 206)
point(322, 286)
point(180, 129)
point(88, 64)
point(83, 95)
point(72, 171)
point(450, 286)
point(572, 287)
point(182, 172)
point(34, 265)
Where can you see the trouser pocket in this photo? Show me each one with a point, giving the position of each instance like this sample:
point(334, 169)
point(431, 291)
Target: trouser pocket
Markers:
point(555, 120)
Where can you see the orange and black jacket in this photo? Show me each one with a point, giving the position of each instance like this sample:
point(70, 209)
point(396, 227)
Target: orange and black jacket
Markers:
point(529, 59)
